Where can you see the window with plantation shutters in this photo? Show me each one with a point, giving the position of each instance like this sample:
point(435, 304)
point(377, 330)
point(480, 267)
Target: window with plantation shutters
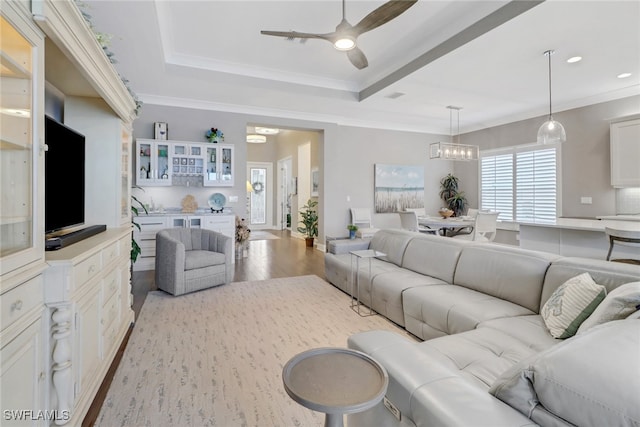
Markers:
point(536, 185)
point(497, 185)
point(521, 183)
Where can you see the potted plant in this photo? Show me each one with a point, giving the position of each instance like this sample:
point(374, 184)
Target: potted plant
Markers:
point(352, 230)
point(309, 222)
point(454, 199)
point(135, 248)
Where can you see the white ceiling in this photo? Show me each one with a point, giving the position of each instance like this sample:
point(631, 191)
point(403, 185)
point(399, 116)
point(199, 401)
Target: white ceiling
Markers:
point(210, 54)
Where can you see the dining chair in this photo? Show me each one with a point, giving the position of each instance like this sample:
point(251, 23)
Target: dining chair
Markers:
point(409, 221)
point(418, 211)
point(472, 212)
point(484, 228)
point(624, 237)
point(361, 217)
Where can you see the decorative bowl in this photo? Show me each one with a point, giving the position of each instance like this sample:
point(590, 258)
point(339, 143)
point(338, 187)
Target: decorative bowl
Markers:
point(445, 213)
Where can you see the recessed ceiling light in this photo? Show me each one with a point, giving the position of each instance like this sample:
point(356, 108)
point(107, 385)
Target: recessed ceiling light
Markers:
point(266, 131)
point(574, 59)
point(624, 75)
point(256, 139)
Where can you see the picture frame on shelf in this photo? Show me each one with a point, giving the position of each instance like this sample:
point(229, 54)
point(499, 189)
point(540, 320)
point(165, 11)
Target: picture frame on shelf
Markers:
point(315, 182)
point(161, 131)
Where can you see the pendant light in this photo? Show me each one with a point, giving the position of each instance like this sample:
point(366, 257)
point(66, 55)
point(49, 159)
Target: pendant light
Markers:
point(452, 150)
point(551, 131)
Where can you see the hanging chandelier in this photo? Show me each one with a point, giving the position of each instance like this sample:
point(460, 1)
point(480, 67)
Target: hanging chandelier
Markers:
point(551, 131)
point(453, 150)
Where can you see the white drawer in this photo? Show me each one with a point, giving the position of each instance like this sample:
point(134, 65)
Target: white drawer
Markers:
point(86, 270)
point(20, 300)
point(151, 224)
point(219, 222)
point(110, 312)
point(110, 335)
point(110, 253)
point(125, 245)
point(111, 284)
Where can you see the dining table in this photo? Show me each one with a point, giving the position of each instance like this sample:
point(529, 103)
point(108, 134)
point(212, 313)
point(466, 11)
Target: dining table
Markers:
point(449, 227)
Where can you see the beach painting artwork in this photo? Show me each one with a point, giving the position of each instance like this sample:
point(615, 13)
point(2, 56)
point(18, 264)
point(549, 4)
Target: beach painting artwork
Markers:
point(398, 187)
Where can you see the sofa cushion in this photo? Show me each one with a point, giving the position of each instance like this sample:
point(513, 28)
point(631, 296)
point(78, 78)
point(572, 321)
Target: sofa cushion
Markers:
point(387, 289)
point(392, 243)
point(580, 380)
point(505, 272)
point(617, 305)
point(434, 256)
point(530, 330)
point(571, 304)
point(432, 311)
point(199, 259)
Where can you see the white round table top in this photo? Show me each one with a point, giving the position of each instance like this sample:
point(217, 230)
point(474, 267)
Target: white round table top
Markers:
point(335, 380)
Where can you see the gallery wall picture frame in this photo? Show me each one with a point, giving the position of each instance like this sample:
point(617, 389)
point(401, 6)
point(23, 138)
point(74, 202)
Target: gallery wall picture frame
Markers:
point(315, 182)
point(161, 131)
point(398, 187)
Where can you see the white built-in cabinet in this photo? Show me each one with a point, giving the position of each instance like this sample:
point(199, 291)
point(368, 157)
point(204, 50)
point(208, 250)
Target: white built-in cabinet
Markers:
point(153, 163)
point(23, 336)
point(63, 314)
point(625, 153)
point(162, 163)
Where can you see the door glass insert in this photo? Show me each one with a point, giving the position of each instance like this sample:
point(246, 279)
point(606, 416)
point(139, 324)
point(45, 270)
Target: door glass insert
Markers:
point(16, 141)
point(258, 203)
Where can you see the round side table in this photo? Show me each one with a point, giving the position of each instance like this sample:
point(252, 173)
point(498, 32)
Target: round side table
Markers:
point(335, 381)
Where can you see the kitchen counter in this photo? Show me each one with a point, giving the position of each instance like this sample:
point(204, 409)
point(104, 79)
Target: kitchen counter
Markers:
point(178, 212)
point(629, 217)
point(585, 224)
point(577, 237)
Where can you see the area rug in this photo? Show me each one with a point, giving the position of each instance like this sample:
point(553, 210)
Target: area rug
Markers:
point(215, 357)
point(262, 235)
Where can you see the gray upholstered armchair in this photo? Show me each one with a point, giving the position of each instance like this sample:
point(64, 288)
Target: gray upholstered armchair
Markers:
point(191, 259)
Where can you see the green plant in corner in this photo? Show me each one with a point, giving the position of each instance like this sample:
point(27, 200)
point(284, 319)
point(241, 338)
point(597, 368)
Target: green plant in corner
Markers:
point(135, 248)
point(458, 203)
point(309, 221)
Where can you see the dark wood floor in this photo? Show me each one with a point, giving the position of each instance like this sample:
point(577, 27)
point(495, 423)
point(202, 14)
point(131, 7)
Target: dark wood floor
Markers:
point(267, 259)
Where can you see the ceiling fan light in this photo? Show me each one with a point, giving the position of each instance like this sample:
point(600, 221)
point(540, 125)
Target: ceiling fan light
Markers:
point(256, 139)
point(551, 132)
point(345, 43)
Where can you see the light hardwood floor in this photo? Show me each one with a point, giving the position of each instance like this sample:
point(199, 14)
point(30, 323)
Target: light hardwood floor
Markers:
point(267, 259)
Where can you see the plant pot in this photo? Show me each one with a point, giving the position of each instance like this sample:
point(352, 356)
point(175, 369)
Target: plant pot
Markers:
point(308, 241)
point(352, 234)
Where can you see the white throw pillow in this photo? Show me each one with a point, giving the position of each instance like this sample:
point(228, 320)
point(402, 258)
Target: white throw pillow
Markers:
point(571, 304)
point(618, 304)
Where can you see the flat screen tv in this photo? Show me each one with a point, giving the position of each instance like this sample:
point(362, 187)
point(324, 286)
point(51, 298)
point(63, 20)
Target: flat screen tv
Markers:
point(64, 164)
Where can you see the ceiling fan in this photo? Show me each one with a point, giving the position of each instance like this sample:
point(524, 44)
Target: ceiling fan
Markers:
point(345, 36)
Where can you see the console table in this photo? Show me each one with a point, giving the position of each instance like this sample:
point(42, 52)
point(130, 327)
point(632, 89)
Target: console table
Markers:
point(335, 381)
point(367, 254)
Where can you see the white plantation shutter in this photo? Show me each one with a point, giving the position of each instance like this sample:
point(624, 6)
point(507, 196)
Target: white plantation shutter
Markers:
point(521, 183)
point(496, 186)
point(536, 185)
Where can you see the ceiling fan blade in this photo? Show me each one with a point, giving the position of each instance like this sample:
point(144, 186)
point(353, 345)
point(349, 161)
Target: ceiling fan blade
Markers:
point(295, 35)
point(382, 15)
point(357, 58)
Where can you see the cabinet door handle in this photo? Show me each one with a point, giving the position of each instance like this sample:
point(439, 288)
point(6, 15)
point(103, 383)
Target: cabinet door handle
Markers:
point(92, 268)
point(16, 306)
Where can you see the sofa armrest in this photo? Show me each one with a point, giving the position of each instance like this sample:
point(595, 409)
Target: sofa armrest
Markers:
point(454, 401)
point(344, 246)
point(170, 261)
point(223, 244)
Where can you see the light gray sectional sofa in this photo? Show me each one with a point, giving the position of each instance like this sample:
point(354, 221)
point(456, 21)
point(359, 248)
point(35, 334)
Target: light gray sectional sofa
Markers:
point(488, 358)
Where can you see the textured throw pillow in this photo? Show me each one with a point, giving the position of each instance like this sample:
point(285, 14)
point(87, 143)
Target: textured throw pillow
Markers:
point(571, 304)
point(618, 304)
